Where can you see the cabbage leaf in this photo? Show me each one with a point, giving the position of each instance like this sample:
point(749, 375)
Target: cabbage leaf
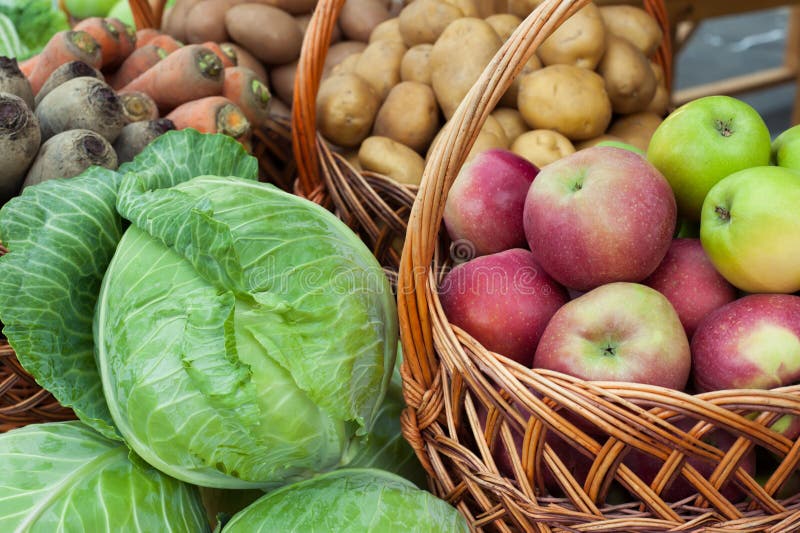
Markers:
point(61, 236)
point(349, 501)
point(63, 476)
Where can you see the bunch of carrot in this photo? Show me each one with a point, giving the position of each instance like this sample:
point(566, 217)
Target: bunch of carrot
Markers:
point(95, 95)
point(197, 86)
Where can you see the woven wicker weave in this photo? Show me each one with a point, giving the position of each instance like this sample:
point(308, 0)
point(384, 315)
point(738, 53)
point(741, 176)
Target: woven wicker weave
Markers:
point(465, 403)
point(22, 400)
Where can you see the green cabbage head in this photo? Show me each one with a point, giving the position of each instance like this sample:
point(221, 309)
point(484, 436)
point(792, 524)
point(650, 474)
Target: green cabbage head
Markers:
point(245, 337)
point(355, 500)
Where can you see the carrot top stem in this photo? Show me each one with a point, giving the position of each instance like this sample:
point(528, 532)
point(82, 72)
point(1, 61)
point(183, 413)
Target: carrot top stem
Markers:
point(209, 64)
point(231, 121)
point(261, 93)
point(83, 41)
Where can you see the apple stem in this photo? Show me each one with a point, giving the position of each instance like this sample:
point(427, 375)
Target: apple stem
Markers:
point(724, 127)
point(722, 213)
point(608, 350)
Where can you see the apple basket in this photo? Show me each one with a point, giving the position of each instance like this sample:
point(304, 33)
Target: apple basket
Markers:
point(22, 400)
point(515, 448)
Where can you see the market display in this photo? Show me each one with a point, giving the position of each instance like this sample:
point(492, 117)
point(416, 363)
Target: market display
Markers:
point(231, 350)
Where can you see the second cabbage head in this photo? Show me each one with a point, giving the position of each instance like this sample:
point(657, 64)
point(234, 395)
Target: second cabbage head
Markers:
point(244, 336)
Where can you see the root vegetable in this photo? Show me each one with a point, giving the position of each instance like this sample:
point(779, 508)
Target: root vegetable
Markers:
point(409, 115)
point(359, 17)
point(166, 42)
point(13, 81)
point(213, 114)
point(137, 107)
point(542, 147)
point(127, 37)
point(187, 74)
point(282, 81)
point(81, 103)
point(136, 64)
point(388, 30)
point(19, 143)
point(107, 37)
point(579, 41)
point(244, 89)
point(458, 58)
point(423, 21)
point(27, 66)
point(226, 54)
point(388, 157)
point(272, 35)
point(63, 47)
point(630, 81)
point(379, 65)
point(246, 59)
point(145, 35)
point(175, 24)
point(416, 64)
point(206, 21)
point(136, 135)
point(64, 73)
point(569, 99)
point(68, 154)
point(346, 108)
point(339, 52)
point(511, 121)
point(634, 24)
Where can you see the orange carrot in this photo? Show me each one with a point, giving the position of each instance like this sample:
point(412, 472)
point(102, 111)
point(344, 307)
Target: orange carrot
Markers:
point(145, 35)
point(127, 37)
point(106, 35)
point(139, 61)
point(226, 54)
point(243, 88)
point(187, 74)
point(64, 46)
point(213, 114)
point(28, 65)
point(166, 42)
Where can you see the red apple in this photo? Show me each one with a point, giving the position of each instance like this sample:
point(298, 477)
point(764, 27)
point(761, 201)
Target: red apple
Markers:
point(504, 300)
point(750, 343)
point(600, 215)
point(617, 332)
point(485, 203)
point(690, 282)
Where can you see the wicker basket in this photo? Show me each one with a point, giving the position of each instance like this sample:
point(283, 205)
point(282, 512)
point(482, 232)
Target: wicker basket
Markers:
point(466, 403)
point(22, 400)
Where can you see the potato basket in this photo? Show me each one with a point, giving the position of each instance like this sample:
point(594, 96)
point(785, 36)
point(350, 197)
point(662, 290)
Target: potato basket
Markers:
point(501, 441)
point(22, 400)
point(374, 205)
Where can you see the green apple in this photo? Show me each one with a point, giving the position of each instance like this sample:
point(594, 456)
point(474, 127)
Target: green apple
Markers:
point(703, 141)
point(89, 8)
point(750, 229)
point(786, 148)
point(623, 145)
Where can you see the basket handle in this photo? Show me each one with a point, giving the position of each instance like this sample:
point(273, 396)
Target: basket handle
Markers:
point(306, 85)
point(147, 14)
point(415, 287)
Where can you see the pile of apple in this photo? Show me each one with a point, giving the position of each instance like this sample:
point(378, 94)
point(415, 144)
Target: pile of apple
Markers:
point(674, 269)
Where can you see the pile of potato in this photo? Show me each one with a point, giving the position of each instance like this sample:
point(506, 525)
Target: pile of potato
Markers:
point(384, 103)
point(267, 35)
